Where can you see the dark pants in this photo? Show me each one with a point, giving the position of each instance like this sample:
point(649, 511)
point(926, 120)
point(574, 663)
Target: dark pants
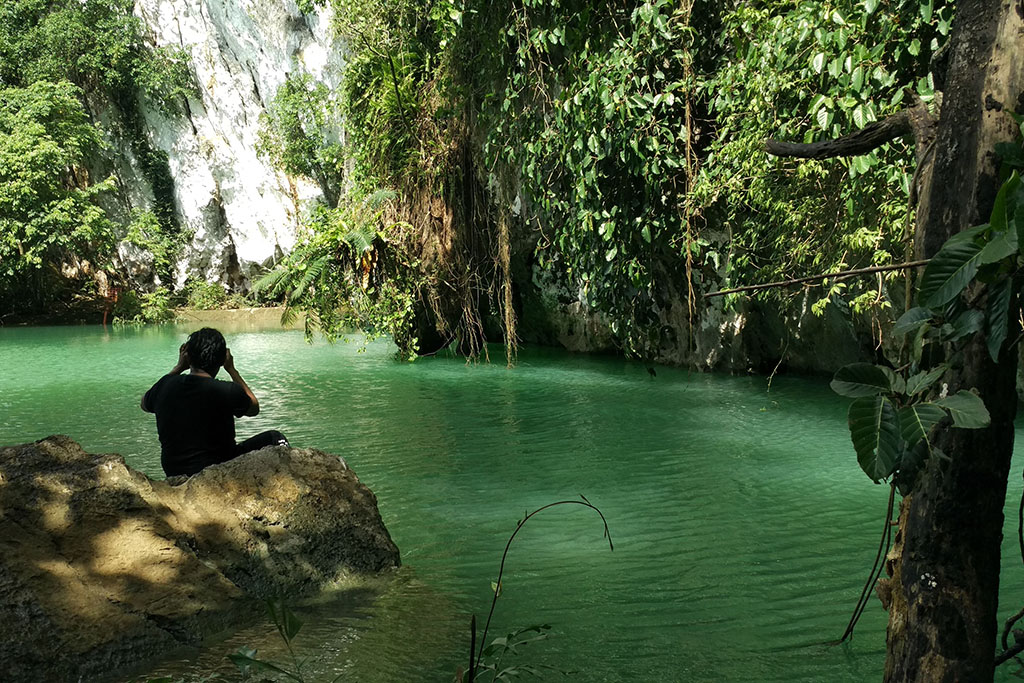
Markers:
point(196, 462)
point(271, 437)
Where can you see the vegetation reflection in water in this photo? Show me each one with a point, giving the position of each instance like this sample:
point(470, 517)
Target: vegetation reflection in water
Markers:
point(743, 529)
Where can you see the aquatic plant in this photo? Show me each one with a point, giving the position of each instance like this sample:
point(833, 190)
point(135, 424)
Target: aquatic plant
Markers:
point(488, 656)
point(288, 626)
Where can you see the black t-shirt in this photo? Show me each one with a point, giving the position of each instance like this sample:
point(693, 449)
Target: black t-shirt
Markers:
point(195, 418)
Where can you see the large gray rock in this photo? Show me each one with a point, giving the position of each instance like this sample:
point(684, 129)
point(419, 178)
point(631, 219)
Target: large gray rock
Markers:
point(101, 566)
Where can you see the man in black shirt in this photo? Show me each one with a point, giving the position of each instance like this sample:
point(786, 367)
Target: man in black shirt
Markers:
point(195, 413)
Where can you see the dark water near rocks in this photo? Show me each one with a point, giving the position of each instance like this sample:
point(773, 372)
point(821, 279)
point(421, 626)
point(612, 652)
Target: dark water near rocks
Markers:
point(743, 527)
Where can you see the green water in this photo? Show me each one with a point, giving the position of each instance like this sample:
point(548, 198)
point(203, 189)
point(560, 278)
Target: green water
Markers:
point(743, 528)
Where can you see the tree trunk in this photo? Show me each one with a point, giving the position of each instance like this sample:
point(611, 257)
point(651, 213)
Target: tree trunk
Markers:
point(942, 624)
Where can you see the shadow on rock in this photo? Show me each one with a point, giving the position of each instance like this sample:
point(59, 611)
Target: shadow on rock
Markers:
point(101, 566)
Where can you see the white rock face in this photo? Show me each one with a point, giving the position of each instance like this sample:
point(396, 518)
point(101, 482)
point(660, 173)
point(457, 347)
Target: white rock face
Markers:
point(242, 211)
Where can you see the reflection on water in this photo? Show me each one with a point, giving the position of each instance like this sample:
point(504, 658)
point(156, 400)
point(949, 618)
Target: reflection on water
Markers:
point(743, 528)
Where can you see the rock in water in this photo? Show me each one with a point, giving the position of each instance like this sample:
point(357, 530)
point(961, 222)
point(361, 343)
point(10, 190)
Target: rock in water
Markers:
point(100, 566)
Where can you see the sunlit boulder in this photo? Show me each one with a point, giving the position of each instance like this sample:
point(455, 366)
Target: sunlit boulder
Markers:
point(101, 566)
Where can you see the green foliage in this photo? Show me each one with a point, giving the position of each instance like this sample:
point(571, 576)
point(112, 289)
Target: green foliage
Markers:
point(592, 119)
point(49, 218)
point(510, 645)
point(146, 231)
point(966, 289)
point(139, 308)
point(50, 221)
point(204, 296)
point(813, 70)
point(288, 626)
point(97, 44)
point(890, 419)
point(346, 274)
point(295, 133)
point(402, 110)
point(637, 132)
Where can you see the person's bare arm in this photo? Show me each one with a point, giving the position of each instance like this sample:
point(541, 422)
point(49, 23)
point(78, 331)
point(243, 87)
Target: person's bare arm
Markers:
point(179, 367)
point(229, 367)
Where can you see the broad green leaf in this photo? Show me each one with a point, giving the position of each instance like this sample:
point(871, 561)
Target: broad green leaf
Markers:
point(949, 272)
point(835, 67)
point(860, 379)
point(916, 420)
point(870, 6)
point(997, 316)
point(1005, 204)
point(875, 432)
point(967, 410)
point(922, 380)
point(911, 321)
point(818, 62)
point(1003, 244)
point(966, 323)
point(926, 10)
point(857, 78)
point(1018, 215)
point(291, 624)
point(858, 117)
point(822, 117)
point(969, 235)
point(897, 385)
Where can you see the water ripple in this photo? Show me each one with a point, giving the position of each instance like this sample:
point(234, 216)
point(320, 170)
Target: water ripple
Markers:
point(743, 528)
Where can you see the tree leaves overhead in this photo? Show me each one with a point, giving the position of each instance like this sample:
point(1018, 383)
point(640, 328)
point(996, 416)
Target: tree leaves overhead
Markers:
point(875, 432)
point(1003, 244)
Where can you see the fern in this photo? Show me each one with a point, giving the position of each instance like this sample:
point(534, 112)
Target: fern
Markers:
point(312, 272)
point(271, 284)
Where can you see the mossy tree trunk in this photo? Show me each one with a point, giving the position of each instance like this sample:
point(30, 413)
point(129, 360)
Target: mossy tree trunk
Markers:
point(942, 624)
point(944, 587)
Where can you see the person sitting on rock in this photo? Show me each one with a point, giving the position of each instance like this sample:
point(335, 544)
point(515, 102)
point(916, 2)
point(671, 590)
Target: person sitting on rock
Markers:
point(195, 413)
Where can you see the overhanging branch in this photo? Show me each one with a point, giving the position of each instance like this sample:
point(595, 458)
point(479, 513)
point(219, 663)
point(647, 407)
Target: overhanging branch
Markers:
point(815, 278)
point(914, 121)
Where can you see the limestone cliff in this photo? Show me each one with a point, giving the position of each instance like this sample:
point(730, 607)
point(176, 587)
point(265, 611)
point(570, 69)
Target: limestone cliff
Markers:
point(241, 211)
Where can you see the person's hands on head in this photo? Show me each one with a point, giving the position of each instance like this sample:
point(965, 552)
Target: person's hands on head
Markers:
point(229, 361)
point(183, 362)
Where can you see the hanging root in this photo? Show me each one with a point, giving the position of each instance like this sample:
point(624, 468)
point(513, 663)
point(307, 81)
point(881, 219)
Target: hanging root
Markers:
point(508, 314)
point(876, 568)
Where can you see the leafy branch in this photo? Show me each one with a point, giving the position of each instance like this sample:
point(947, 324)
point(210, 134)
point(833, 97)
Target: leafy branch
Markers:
point(967, 288)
